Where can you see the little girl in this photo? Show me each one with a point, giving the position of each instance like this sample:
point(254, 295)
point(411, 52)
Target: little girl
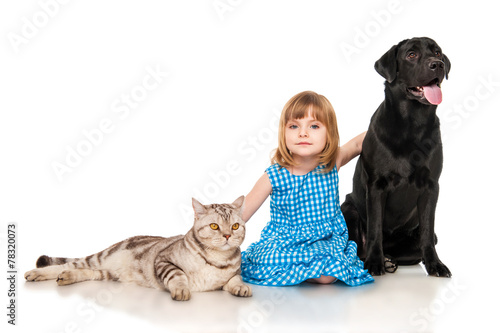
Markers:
point(306, 239)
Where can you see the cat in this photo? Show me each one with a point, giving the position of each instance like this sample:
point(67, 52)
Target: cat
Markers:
point(207, 258)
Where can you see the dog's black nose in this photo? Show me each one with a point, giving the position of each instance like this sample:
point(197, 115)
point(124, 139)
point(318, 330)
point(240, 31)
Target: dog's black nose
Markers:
point(435, 64)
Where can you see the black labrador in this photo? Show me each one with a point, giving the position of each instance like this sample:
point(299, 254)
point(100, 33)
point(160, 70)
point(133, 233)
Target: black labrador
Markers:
point(390, 212)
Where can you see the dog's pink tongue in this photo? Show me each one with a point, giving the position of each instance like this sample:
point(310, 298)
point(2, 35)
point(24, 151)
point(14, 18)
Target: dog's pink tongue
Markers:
point(433, 94)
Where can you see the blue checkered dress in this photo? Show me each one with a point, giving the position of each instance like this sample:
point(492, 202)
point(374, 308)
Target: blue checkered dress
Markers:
point(307, 235)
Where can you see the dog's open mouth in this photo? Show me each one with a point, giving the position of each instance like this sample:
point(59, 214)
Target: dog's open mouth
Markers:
point(431, 92)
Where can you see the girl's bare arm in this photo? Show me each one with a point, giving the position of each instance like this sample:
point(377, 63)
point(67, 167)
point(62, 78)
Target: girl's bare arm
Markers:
point(256, 197)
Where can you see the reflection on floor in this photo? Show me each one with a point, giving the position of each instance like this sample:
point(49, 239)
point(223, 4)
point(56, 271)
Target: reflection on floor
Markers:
point(406, 301)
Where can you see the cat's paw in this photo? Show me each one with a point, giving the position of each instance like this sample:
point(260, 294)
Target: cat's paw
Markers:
point(65, 278)
point(180, 294)
point(36, 275)
point(241, 290)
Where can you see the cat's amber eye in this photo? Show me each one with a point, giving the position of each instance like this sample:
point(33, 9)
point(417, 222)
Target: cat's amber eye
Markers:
point(214, 226)
point(236, 226)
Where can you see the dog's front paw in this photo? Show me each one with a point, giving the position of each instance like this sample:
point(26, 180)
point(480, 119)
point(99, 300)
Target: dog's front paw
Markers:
point(437, 268)
point(390, 264)
point(375, 266)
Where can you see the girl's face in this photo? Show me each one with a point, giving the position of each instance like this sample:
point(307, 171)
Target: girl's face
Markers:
point(305, 137)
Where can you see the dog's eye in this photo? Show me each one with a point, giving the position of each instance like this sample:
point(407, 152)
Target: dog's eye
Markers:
point(411, 55)
point(437, 53)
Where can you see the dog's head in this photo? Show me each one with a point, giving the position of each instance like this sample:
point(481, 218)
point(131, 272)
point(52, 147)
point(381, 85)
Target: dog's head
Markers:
point(417, 66)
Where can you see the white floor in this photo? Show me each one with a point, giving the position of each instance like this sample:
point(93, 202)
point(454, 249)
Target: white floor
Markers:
point(407, 301)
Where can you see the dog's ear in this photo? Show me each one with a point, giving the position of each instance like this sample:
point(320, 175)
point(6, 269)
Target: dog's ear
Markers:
point(387, 65)
point(447, 65)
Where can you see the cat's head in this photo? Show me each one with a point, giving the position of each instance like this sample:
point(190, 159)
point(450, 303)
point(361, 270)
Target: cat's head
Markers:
point(219, 226)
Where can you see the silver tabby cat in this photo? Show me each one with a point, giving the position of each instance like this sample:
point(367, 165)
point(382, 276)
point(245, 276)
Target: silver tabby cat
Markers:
point(208, 257)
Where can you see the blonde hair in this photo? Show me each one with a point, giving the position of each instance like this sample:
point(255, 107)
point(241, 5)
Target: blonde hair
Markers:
point(299, 107)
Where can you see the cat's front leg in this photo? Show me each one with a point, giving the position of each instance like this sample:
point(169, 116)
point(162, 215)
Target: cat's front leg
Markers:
point(178, 286)
point(175, 280)
point(237, 288)
point(179, 291)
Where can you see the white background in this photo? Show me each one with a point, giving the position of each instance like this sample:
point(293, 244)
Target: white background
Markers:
point(207, 127)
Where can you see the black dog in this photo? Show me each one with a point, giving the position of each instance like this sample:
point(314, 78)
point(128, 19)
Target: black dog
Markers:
point(390, 213)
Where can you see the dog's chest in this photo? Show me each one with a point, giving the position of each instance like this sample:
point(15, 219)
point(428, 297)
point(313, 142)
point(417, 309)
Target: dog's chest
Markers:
point(403, 157)
point(407, 174)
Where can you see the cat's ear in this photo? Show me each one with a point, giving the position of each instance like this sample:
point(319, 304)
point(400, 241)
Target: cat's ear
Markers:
point(199, 209)
point(238, 203)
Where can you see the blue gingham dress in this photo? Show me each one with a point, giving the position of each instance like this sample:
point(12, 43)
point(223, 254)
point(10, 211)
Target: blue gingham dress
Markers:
point(307, 235)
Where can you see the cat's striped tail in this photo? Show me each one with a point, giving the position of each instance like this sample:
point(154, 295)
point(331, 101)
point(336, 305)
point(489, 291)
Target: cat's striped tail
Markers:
point(44, 261)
